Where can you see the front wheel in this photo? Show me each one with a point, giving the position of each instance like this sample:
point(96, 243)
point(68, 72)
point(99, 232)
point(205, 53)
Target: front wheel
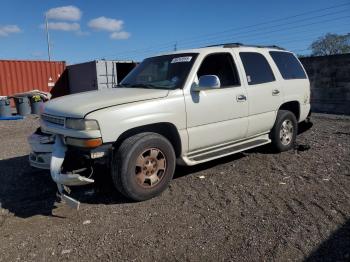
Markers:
point(143, 166)
point(284, 132)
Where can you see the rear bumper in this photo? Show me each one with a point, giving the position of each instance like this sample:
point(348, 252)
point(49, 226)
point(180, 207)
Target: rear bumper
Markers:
point(308, 118)
point(305, 112)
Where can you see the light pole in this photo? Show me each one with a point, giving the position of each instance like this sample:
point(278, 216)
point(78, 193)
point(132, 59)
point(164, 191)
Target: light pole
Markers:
point(48, 38)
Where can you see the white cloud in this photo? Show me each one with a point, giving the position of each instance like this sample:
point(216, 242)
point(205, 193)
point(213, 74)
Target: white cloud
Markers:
point(62, 26)
point(5, 30)
point(106, 24)
point(114, 26)
point(69, 13)
point(120, 35)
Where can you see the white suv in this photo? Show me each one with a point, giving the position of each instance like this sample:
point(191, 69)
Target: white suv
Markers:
point(187, 107)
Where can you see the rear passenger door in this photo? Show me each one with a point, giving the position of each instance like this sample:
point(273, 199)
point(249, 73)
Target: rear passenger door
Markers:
point(264, 92)
point(296, 86)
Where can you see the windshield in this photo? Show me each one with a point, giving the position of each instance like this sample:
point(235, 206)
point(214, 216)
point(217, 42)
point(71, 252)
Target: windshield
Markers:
point(161, 72)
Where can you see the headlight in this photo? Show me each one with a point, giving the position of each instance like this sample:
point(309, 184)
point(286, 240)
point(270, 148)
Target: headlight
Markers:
point(82, 124)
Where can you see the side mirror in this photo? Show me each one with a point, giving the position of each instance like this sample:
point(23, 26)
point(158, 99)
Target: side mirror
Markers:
point(208, 82)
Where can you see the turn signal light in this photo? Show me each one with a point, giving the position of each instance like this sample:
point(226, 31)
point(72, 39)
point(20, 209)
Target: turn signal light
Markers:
point(88, 143)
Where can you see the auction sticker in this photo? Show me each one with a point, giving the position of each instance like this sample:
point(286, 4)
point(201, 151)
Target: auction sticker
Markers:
point(181, 59)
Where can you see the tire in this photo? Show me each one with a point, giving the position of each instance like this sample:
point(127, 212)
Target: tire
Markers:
point(143, 166)
point(284, 131)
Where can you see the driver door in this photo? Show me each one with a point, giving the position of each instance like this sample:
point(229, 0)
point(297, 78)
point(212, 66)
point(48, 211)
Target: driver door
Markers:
point(217, 116)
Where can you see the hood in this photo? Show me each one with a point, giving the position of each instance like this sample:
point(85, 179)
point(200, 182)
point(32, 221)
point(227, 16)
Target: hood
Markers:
point(78, 105)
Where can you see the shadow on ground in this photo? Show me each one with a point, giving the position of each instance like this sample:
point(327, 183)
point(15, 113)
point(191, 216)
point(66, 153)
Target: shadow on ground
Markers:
point(304, 126)
point(267, 149)
point(26, 191)
point(103, 191)
point(335, 248)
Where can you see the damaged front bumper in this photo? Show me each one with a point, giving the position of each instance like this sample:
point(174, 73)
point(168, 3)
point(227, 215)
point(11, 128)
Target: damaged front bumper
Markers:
point(69, 166)
point(49, 152)
point(63, 180)
point(56, 163)
point(40, 160)
point(41, 145)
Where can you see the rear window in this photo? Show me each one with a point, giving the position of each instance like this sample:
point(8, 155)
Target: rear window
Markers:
point(257, 68)
point(288, 65)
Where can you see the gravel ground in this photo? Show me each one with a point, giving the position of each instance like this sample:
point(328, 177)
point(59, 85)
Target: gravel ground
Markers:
point(251, 206)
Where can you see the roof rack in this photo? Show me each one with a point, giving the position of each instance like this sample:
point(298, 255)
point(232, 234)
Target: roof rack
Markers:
point(227, 44)
point(230, 45)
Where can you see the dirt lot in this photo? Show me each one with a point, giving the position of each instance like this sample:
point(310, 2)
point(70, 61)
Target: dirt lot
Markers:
point(252, 206)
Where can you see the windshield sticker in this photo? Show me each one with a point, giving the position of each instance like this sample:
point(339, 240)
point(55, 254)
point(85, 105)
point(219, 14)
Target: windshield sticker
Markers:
point(181, 59)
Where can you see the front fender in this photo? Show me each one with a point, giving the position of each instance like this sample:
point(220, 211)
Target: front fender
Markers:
point(114, 121)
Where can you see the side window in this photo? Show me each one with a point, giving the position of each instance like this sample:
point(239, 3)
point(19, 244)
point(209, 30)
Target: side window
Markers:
point(288, 65)
point(257, 68)
point(221, 65)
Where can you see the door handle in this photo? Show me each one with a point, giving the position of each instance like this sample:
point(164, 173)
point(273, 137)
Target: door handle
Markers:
point(275, 92)
point(241, 98)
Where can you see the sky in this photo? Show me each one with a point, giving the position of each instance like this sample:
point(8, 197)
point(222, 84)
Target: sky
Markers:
point(85, 30)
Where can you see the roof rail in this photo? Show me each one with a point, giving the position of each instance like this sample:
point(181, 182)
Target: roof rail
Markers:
point(227, 44)
point(230, 45)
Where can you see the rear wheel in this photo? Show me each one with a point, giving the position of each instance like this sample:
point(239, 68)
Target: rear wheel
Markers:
point(284, 132)
point(143, 166)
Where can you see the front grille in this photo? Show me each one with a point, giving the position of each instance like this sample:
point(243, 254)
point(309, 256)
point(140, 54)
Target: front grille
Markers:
point(53, 119)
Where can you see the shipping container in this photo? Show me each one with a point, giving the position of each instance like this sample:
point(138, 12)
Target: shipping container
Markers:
point(97, 74)
point(17, 76)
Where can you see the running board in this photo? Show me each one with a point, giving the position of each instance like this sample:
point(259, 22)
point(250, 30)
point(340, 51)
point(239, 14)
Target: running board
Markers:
point(204, 156)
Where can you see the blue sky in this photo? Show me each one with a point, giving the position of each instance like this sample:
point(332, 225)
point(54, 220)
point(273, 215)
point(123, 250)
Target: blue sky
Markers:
point(91, 29)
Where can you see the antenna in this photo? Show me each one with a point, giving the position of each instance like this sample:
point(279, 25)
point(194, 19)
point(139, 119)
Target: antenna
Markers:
point(48, 38)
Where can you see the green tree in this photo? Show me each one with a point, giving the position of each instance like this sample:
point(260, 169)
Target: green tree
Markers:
point(331, 44)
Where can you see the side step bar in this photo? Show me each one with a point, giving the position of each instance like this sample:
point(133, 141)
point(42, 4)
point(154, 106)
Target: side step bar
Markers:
point(225, 150)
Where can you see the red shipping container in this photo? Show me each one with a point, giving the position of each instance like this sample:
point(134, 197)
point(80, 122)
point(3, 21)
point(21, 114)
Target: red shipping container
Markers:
point(17, 76)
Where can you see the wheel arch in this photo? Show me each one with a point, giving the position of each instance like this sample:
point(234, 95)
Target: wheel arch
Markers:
point(166, 129)
point(292, 106)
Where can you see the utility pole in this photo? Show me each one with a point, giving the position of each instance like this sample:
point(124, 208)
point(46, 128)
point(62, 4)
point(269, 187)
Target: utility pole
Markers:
point(175, 46)
point(48, 38)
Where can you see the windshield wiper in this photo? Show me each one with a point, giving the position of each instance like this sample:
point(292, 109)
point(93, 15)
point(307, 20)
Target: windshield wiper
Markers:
point(144, 85)
point(123, 85)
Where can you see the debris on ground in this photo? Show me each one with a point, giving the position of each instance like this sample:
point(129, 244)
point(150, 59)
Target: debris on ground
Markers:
point(86, 222)
point(66, 251)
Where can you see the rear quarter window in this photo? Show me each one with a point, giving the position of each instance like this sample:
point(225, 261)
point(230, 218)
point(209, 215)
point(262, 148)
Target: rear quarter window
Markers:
point(288, 65)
